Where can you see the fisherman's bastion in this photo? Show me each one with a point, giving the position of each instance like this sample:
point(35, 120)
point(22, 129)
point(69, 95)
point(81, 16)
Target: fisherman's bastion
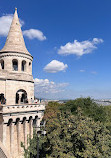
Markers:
point(18, 112)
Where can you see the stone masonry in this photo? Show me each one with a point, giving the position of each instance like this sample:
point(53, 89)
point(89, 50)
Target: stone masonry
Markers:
point(18, 111)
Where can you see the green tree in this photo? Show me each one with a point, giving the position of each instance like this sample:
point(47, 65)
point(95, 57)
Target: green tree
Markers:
point(76, 136)
point(89, 108)
point(31, 150)
point(77, 129)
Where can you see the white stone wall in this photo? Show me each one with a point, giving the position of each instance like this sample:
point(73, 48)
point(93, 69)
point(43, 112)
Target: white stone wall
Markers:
point(17, 127)
point(13, 86)
point(9, 57)
point(2, 86)
point(11, 81)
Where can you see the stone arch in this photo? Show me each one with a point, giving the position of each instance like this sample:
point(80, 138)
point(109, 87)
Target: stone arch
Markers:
point(15, 65)
point(3, 151)
point(23, 65)
point(2, 64)
point(21, 96)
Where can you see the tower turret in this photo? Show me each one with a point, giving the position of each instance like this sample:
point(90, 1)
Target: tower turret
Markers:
point(16, 67)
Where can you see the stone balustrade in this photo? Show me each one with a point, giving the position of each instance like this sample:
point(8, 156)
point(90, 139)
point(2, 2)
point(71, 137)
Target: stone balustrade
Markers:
point(22, 108)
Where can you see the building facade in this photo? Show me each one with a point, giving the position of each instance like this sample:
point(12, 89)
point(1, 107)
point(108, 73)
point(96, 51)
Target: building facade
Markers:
point(17, 109)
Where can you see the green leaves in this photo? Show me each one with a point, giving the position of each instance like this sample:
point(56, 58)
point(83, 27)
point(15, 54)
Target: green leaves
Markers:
point(89, 108)
point(77, 129)
point(76, 136)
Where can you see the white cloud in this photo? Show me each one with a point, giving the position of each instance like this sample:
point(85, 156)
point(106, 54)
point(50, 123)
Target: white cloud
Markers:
point(46, 88)
point(5, 22)
point(79, 48)
point(55, 66)
point(34, 33)
point(82, 70)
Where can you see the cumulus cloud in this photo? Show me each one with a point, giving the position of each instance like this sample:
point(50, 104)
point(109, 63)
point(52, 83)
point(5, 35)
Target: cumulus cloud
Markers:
point(44, 87)
point(55, 66)
point(79, 48)
point(5, 22)
point(34, 33)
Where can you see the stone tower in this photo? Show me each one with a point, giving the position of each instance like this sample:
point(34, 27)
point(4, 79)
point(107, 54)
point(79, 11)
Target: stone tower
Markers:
point(16, 67)
point(18, 112)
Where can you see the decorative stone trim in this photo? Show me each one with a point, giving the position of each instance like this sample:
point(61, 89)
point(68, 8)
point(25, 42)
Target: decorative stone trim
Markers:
point(17, 54)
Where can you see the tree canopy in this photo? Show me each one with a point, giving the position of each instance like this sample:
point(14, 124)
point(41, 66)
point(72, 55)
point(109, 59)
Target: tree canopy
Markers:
point(77, 129)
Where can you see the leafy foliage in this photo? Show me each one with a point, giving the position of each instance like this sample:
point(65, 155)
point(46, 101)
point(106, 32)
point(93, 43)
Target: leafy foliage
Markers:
point(89, 108)
point(76, 136)
point(31, 151)
point(77, 129)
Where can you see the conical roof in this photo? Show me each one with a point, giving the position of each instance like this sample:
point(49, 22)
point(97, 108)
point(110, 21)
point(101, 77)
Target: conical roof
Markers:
point(15, 41)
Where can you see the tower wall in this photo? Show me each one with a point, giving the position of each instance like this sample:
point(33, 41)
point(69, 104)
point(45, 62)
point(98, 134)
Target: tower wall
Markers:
point(17, 125)
point(19, 57)
point(2, 86)
point(13, 86)
point(18, 112)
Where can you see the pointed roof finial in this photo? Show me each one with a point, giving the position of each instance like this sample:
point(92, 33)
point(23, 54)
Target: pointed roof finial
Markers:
point(15, 41)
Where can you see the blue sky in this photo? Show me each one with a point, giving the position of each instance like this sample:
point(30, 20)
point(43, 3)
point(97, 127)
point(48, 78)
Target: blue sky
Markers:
point(70, 41)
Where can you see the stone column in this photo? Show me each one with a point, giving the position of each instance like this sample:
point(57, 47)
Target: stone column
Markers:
point(21, 137)
point(31, 128)
point(12, 138)
point(18, 136)
point(27, 67)
point(20, 96)
point(4, 134)
point(26, 132)
point(19, 66)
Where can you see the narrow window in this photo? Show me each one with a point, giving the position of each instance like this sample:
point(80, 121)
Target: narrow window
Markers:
point(15, 65)
point(23, 65)
point(2, 64)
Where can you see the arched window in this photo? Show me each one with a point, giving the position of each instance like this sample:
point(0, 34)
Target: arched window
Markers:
point(15, 65)
point(23, 65)
point(21, 97)
point(2, 64)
